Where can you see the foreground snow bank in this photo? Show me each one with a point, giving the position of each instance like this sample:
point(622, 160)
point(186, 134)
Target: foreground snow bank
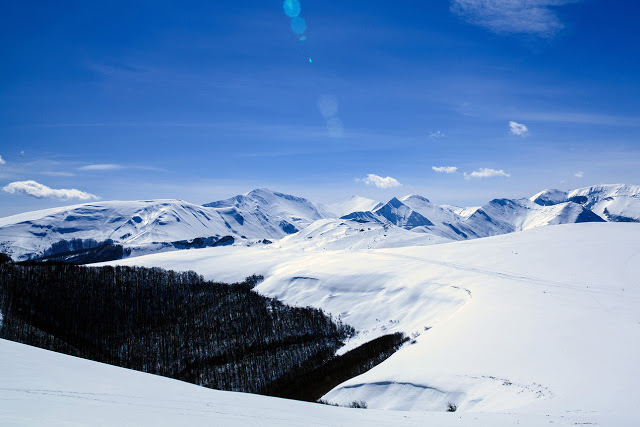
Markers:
point(39, 387)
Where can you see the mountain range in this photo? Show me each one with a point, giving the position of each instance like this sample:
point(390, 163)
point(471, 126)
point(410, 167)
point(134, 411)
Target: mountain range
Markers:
point(263, 216)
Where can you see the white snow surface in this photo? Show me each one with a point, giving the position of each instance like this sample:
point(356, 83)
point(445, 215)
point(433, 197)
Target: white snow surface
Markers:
point(542, 321)
point(40, 387)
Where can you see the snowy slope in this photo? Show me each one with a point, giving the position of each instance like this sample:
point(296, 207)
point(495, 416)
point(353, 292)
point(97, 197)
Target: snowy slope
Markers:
point(446, 222)
point(520, 322)
point(354, 204)
point(44, 388)
point(435, 213)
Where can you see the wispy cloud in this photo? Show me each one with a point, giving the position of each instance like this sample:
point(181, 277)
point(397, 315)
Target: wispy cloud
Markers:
point(579, 174)
point(436, 135)
point(487, 173)
point(56, 173)
point(101, 167)
point(105, 167)
point(518, 129)
point(2, 162)
point(35, 189)
point(579, 118)
point(445, 169)
point(535, 17)
point(379, 181)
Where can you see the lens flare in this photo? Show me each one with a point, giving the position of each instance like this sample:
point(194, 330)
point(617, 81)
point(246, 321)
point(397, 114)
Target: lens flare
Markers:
point(328, 106)
point(298, 25)
point(335, 128)
point(291, 8)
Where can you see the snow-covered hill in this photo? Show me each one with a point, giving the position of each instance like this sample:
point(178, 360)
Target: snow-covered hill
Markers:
point(519, 323)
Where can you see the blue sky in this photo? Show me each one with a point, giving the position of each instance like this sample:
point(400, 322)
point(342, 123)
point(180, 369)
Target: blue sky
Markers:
point(201, 100)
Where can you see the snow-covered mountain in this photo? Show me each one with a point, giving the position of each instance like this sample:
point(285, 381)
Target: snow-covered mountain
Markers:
point(270, 206)
point(616, 203)
point(502, 216)
point(402, 215)
point(147, 226)
point(157, 225)
point(499, 216)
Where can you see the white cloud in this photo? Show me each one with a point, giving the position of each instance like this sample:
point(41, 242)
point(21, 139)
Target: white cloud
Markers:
point(437, 134)
point(2, 162)
point(35, 189)
point(535, 17)
point(487, 173)
point(101, 167)
point(445, 169)
point(379, 181)
point(579, 174)
point(518, 129)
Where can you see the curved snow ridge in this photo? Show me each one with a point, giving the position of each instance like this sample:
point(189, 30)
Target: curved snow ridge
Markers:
point(467, 393)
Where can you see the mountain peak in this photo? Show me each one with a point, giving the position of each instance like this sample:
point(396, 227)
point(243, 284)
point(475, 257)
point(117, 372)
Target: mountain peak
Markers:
point(415, 197)
point(549, 197)
point(395, 202)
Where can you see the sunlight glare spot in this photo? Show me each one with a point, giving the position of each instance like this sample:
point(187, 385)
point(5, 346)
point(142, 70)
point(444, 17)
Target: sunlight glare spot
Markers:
point(335, 128)
point(291, 8)
point(298, 25)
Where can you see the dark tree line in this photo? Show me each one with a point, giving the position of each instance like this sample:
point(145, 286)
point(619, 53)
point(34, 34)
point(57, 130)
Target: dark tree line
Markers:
point(162, 322)
point(181, 326)
point(312, 381)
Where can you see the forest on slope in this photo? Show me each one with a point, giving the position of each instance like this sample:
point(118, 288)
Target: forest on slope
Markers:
point(217, 335)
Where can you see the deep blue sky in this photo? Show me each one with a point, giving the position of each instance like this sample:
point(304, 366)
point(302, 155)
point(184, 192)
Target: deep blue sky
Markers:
point(201, 100)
